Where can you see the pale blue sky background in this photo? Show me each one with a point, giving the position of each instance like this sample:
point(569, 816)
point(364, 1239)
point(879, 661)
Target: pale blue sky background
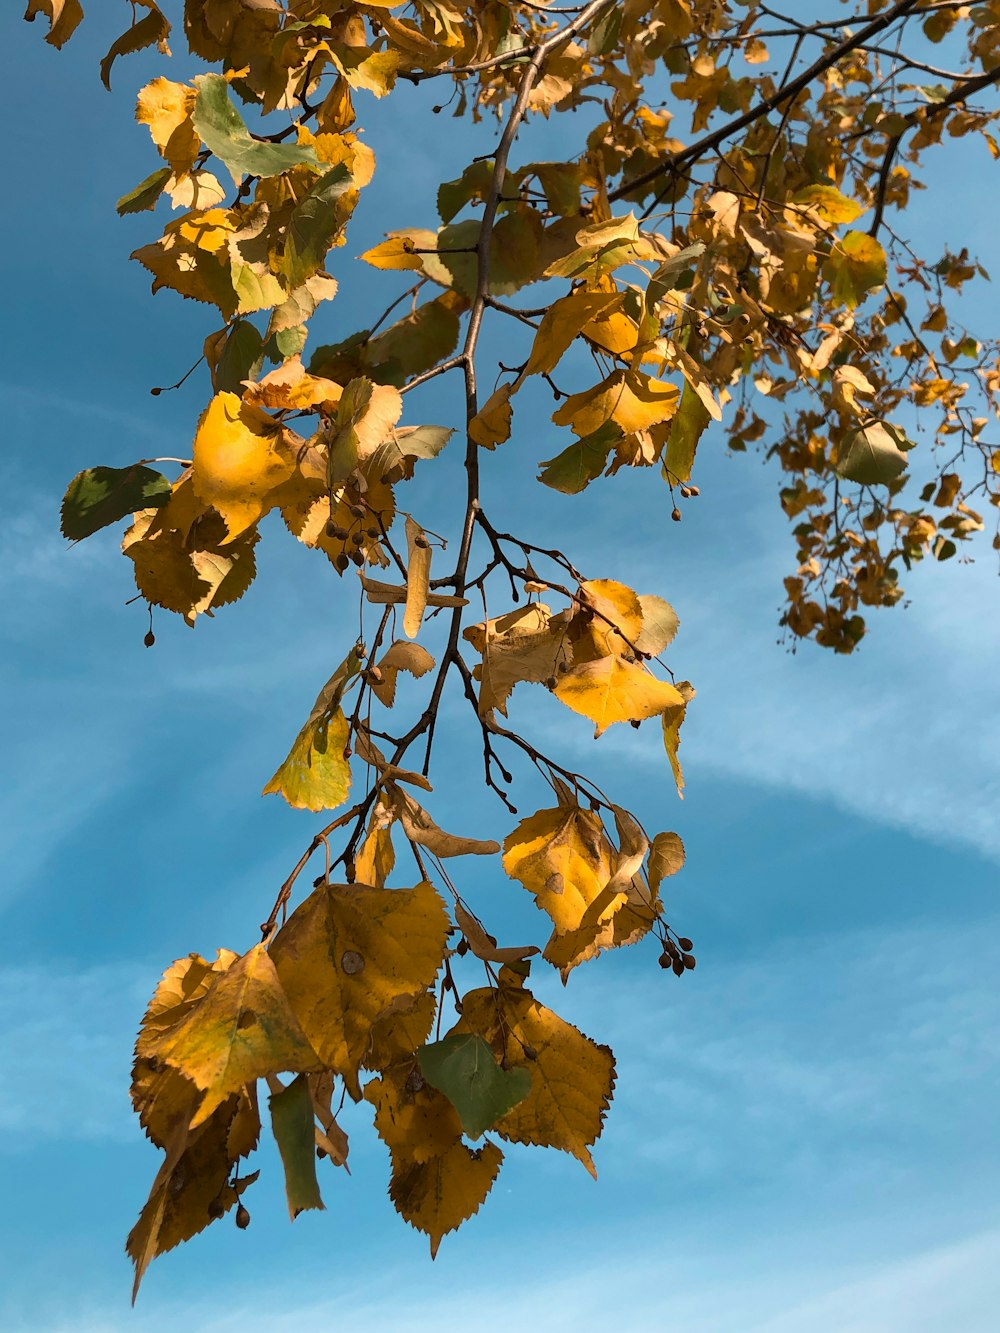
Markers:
point(803, 1139)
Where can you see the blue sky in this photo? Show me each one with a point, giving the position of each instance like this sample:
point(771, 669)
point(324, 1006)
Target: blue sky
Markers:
point(803, 1136)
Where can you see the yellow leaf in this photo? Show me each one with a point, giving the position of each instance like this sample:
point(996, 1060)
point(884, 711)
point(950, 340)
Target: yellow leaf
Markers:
point(572, 1077)
point(196, 189)
point(316, 775)
point(166, 108)
point(659, 624)
point(418, 573)
point(491, 426)
point(856, 265)
point(632, 400)
point(199, 256)
point(165, 573)
point(376, 855)
point(401, 1030)
point(239, 461)
point(829, 204)
point(162, 1097)
point(415, 1121)
point(564, 858)
point(611, 690)
point(289, 386)
point(397, 251)
point(192, 1187)
point(618, 616)
point(673, 716)
point(565, 320)
point(242, 1029)
point(437, 1196)
point(612, 921)
point(666, 856)
point(347, 954)
point(400, 656)
point(527, 644)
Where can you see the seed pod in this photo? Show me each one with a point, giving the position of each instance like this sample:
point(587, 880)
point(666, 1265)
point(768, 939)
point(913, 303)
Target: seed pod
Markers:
point(685, 491)
point(678, 967)
point(356, 557)
point(685, 943)
point(462, 948)
point(665, 960)
point(149, 638)
point(676, 514)
point(529, 1052)
point(359, 511)
point(693, 490)
point(421, 541)
point(242, 1217)
point(215, 1210)
point(690, 961)
point(335, 531)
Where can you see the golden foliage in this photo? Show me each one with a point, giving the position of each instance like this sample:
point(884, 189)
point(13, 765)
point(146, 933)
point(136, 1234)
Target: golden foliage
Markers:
point(737, 283)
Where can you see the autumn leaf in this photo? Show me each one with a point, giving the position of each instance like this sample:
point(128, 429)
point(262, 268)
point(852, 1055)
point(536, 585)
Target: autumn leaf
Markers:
point(420, 828)
point(572, 1077)
point(64, 17)
point(166, 109)
point(611, 690)
point(856, 265)
point(348, 954)
point(631, 400)
point(151, 30)
point(418, 572)
point(192, 1189)
point(399, 656)
point(437, 1196)
point(239, 461)
point(316, 774)
point(491, 425)
point(564, 858)
point(242, 1029)
point(666, 856)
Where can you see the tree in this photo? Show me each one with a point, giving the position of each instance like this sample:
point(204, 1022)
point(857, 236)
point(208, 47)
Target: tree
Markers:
point(754, 254)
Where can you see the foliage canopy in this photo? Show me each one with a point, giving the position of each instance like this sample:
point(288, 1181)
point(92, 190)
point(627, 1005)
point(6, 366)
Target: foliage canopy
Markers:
point(723, 238)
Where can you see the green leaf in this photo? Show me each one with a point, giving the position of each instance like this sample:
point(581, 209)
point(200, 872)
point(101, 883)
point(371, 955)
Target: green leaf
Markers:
point(686, 430)
point(224, 133)
point(102, 495)
point(144, 195)
point(872, 456)
point(241, 358)
point(855, 266)
point(294, 1133)
point(604, 34)
point(474, 183)
point(579, 464)
point(463, 1068)
point(286, 343)
point(314, 223)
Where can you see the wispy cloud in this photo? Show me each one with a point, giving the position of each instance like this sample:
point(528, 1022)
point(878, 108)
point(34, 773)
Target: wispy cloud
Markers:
point(924, 1290)
point(64, 1048)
